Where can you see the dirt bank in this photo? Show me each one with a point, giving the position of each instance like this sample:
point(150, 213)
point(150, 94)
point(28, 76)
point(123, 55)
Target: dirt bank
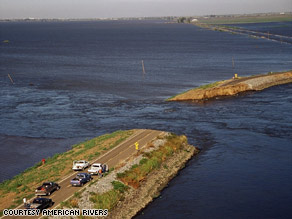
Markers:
point(235, 86)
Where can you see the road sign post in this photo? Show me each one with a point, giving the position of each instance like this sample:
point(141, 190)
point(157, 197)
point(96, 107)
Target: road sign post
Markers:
point(137, 146)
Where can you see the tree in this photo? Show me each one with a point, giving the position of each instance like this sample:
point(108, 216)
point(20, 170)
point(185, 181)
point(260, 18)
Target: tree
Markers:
point(181, 19)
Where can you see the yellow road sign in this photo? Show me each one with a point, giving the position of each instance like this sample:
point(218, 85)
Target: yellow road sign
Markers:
point(137, 145)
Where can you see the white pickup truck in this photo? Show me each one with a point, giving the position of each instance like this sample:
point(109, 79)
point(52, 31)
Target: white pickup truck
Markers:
point(80, 164)
point(94, 169)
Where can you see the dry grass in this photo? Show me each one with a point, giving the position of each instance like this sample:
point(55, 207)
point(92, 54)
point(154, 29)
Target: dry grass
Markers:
point(151, 161)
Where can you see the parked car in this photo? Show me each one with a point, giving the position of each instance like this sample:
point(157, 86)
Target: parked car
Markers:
point(94, 169)
point(81, 179)
point(80, 164)
point(39, 203)
point(47, 188)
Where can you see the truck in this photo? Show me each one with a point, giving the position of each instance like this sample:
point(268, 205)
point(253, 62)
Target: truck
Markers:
point(80, 179)
point(39, 203)
point(47, 188)
point(80, 164)
point(96, 167)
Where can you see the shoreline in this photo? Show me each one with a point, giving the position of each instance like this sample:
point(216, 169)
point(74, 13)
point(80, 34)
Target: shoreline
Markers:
point(232, 87)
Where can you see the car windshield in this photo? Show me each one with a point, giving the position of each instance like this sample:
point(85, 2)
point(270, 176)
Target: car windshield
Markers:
point(97, 165)
point(37, 201)
point(46, 184)
point(80, 162)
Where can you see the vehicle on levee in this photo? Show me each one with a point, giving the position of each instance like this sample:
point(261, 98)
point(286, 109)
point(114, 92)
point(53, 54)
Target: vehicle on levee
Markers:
point(39, 203)
point(96, 167)
point(80, 179)
point(47, 188)
point(80, 164)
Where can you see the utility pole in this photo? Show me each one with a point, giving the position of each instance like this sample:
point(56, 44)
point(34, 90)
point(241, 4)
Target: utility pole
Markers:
point(10, 79)
point(143, 68)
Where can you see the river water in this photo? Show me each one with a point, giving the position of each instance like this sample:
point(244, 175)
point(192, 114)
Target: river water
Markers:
point(77, 80)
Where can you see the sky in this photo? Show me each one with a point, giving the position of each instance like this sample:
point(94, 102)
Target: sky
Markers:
point(135, 8)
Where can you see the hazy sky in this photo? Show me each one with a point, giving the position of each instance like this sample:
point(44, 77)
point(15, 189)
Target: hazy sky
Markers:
point(134, 8)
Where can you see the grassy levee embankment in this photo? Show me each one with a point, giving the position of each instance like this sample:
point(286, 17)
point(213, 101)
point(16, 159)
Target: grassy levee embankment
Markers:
point(234, 86)
point(152, 160)
point(135, 182)
point(136, 187)
point(205, 86)
point(12, 191)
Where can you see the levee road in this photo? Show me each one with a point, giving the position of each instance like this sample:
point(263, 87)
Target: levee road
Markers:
point(113, 157)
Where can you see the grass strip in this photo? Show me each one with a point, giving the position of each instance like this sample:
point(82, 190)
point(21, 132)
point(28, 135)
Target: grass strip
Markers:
point(109, 199)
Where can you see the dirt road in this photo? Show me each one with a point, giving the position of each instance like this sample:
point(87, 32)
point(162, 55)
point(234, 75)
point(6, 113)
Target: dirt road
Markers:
point(112, 158)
